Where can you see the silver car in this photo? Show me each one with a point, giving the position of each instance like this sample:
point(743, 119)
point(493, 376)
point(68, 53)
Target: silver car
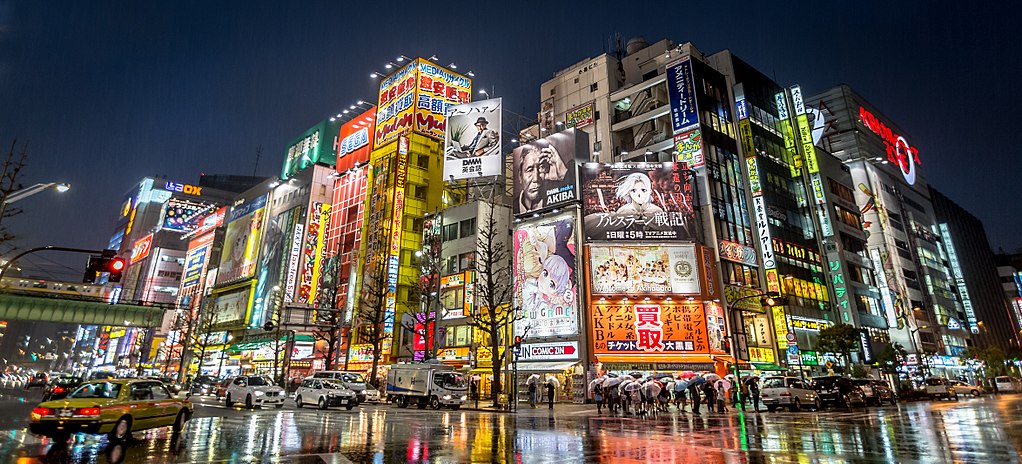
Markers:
point(325, 394)
point(789, 392)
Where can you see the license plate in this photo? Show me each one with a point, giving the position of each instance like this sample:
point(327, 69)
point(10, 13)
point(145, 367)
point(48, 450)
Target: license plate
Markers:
point(65, 412)
point(344, 401)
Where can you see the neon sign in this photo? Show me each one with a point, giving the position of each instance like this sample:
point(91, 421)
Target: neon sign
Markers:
point(898, 149)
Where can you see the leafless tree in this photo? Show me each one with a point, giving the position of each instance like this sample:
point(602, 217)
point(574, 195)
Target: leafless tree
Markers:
point(198, 325)
point(494, 316)
point(10, 172)
point(328, 331)
point(371, 313)
point(430, 310)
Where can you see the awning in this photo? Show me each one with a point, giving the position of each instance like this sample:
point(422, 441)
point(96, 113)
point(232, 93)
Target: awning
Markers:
point(769, 367)
point(549, 366)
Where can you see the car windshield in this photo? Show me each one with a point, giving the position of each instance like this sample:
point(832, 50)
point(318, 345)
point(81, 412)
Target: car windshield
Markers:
point(352, 378)
point(453, 381)
point(773, 382)
point(259, 381)
point(1002, 380)
point(105, 390)
point(333, 385)
point(825, 382)
point(862, 382)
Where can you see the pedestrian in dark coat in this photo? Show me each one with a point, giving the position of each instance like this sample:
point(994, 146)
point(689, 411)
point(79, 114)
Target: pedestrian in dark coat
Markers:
point(693, 392)
point(550, 390)
point(710, 395)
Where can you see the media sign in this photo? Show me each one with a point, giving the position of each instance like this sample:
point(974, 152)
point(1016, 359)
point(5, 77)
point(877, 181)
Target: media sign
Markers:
point(355, 141)
point(316, 145)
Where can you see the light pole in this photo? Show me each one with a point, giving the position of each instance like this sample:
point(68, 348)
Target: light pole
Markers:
point(770, 299)
point(27, 192)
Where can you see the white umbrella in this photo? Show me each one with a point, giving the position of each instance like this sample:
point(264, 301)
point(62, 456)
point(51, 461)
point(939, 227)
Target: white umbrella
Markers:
point(532, 379)
point(554, 381)
point(612, 382)
point(652, 389)
point(632, 386)
point(711, 377)
point(595, 383)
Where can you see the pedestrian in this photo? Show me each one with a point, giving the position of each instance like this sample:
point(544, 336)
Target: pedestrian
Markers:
point(550, 394)
point(709, 396)
point(722, 387)
point(598, 397)
point(474, 389)
point(680, 399)
point(532, 394)
point(693, 391)
point(613, 398)
point(753, 386)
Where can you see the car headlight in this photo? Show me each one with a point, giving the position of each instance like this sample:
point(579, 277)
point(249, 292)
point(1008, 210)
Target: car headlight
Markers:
point(464, 398)
point(259, 393)
point(447, 397)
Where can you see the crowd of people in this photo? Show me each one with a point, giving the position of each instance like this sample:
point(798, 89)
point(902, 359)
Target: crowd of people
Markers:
point(648, 395)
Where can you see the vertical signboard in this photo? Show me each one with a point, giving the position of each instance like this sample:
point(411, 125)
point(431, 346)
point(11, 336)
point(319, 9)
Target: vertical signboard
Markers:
point(196, 260)
point(294, 256)
point(395, 111)
point(682, 95)
point(792, 157)
point(241, 242)
point(396, 229)
point(319, 222)
point(759, 207)
point(438, 88)
point(545, 277)
point(956, 270)
point(805, 133)
point(472, 146)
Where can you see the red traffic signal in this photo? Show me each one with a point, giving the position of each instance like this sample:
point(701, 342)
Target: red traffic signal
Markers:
point(106, 263)
point(117, 264)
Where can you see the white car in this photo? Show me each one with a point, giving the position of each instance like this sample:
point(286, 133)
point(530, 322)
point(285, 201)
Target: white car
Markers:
point(939, 387)
point(353, 380)
point(1006, 384)
point(324, 393)
point(967, 388)
point(254, 390)
point(789, 392)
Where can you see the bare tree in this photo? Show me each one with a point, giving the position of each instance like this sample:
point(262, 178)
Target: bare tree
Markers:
point(493, 289)
point(371, 313)
point(430, 310)
point(199, 325)
point(328, 331)
point(10, 172)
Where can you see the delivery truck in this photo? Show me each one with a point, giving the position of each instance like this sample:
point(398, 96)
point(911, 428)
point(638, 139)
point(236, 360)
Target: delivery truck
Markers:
point(426, 384)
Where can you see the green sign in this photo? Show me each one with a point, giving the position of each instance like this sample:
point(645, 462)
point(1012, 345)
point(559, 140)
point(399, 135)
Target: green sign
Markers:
point(809, 358)
point(316, 145)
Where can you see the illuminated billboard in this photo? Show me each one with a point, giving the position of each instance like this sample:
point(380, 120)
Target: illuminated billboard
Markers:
point(580, 116)
point(241, 242)
point(688, 147)
point(629, 328)
point(546, 277)
point(141, 249)
point(544, 171)
point(682, 95)
point(416, 98)
point(637, 201)
point(183, 215)
point(231, 307)
point(209, 222)
point(315, 145)
point(276, 243)
point(633, 270)
point(196, 260)
point(472, 146)
point(356, 140)
point(319, 221)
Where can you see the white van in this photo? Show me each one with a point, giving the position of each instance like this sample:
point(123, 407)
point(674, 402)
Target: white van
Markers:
point(1006, 384)
point(353, 381)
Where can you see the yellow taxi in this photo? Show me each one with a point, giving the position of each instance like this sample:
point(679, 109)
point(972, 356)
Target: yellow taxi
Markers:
point(116, 407)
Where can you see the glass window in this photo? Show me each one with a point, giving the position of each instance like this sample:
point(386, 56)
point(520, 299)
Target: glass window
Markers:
point(97, 390)
point(259, 381)
point(141, 392)
point(450, 232)
point(467, 260)
point(468, 227)
point(160, 392)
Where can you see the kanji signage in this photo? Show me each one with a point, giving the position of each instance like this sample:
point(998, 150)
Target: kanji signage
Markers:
point(637, 201)
point(664, 328)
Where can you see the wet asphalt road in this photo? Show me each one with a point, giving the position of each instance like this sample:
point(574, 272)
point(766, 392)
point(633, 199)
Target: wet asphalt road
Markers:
point(986, 430)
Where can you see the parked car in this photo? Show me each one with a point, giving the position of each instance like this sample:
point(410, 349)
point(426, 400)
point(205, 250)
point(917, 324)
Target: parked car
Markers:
point(254, 390)
point(325, 393)
point(354, 381)
point(1005, 384)
point(114, 407)
point(965, 387)
point(869, 393)
point(61, 387)
point(939, 387)
point(40, 379)
point(203, 385)
point(838, 391)
point(884, 392)
point(790, 392)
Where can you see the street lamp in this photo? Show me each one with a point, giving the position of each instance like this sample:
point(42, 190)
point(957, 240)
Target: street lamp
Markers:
point(27, 192)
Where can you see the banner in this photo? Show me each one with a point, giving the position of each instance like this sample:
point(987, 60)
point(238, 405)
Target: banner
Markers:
point(637, 201)
point(544, 171)
point(196, 260)
point(241, 242)
point(580, 116)
point(546, 278)
point(651, 329)
point(319, 221)
point(644, 269)
point(472, 146)
point(682, 95)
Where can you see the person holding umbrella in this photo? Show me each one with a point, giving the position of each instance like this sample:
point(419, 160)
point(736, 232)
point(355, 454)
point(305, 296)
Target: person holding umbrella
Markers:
point(709, 394)
point(693, 391)
point(753, 385)
point(533, 379)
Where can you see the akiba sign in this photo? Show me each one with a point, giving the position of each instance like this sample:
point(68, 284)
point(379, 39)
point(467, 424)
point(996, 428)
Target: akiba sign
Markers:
point(898, 150)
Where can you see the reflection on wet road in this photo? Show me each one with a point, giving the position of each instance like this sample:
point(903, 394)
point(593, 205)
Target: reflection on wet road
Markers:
point(976, 430)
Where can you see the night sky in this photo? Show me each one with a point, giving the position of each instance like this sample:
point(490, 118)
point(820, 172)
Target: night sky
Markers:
point(108, 92)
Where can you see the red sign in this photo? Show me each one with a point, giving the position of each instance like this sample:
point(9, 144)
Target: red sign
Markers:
point(141, 249)
point(355, 141)
point(898, 150)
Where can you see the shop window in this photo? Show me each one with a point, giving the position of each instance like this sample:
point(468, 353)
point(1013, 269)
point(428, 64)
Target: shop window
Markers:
point(467, 260)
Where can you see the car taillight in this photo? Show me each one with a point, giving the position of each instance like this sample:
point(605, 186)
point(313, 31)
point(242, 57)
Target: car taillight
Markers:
point(87, 411)
point(785, 394)
point(43, 411)
point(58, 390)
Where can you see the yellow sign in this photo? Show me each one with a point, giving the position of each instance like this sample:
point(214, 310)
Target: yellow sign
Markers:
point(761, 355)
point(780, 327)
point(805, 133)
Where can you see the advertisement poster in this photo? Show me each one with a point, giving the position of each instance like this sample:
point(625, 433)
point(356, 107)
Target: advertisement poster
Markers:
point(232, 306)
point(650, 329)
point(275, 242)
point(633, 270)
point(241, 242)
point(182, 215)
point(546, 278)
point(319, 221)
point(196, 260)
point(356, 140)
point(682, 95)
point(472, 146)
point(637, 201)
point(580, 117)
point(438, 89)
point(688, 146)
point(394, 113)
point(544, 171)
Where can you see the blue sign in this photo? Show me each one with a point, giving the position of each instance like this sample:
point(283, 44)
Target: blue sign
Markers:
point(682, 95)
point(793, 350)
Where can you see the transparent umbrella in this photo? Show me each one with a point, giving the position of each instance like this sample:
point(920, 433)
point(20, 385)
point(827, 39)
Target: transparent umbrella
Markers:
point(553, 380)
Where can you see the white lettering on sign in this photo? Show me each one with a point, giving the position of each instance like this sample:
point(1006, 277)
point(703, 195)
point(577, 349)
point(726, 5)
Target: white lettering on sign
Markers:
point(354, 141)
point(183, 188)
point(292, 265)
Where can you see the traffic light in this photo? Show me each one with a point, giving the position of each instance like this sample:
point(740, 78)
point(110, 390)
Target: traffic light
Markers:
point(106, 262)
point(518, 341)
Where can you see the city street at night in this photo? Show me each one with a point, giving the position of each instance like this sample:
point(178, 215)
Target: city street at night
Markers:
point(971, 430)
